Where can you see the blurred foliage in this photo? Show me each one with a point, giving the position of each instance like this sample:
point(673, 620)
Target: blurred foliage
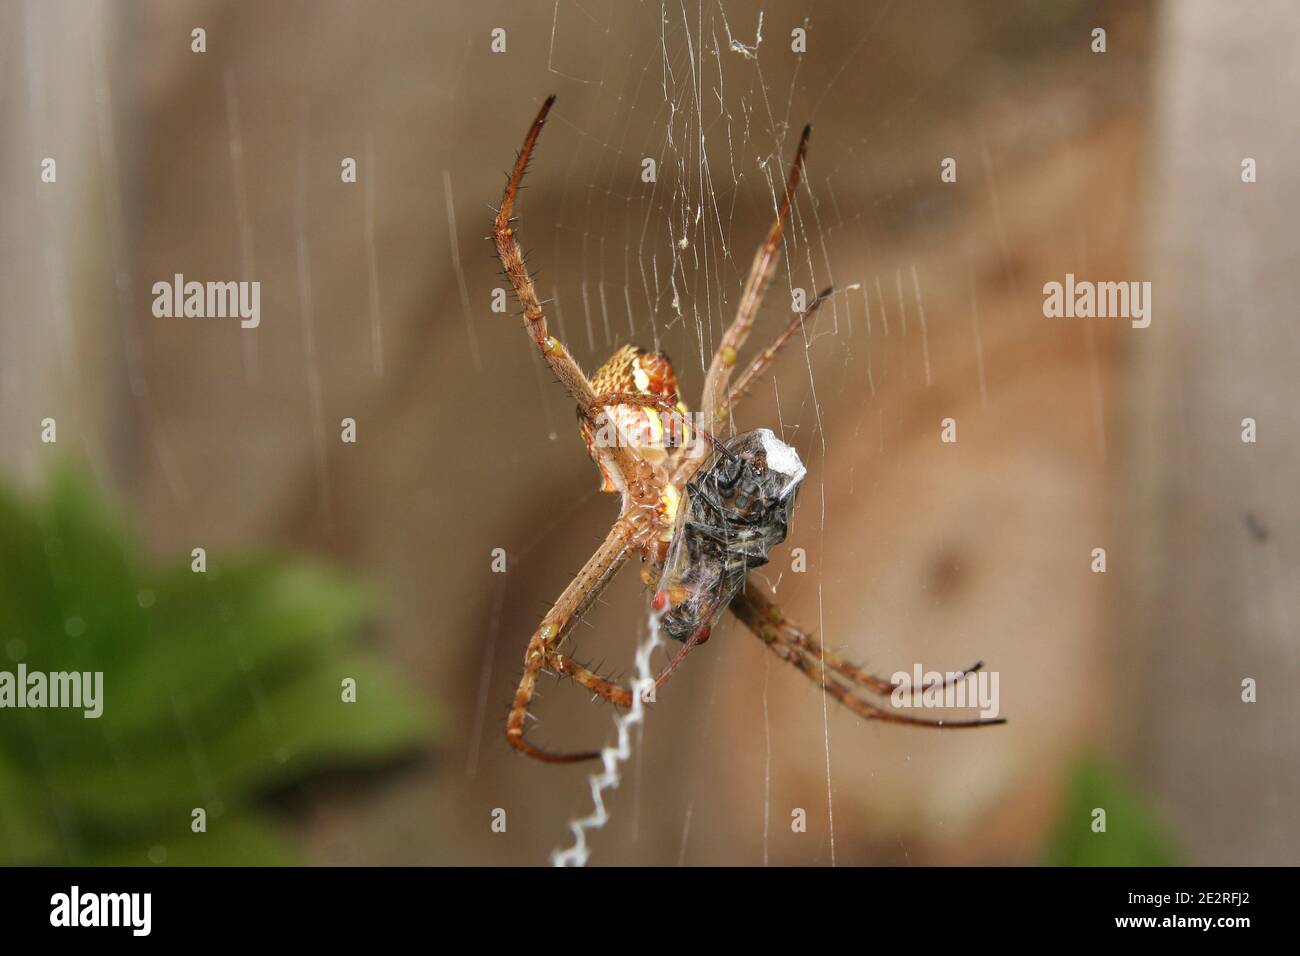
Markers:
point(1135, 835)
point(217, 688)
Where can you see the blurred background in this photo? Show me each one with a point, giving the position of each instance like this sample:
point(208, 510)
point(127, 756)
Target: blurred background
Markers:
point(372, 560)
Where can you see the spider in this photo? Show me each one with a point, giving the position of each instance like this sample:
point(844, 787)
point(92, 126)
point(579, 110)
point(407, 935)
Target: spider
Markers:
point(699, 512)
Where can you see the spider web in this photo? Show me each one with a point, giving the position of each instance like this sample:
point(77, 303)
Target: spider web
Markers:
point(713, 94)
point(934, 314)
point(700, 110)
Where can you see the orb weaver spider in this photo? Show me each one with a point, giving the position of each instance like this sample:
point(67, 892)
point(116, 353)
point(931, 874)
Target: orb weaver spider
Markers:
point(700, 513)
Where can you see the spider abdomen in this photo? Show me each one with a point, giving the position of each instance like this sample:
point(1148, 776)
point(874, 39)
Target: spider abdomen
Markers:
point(641, 431)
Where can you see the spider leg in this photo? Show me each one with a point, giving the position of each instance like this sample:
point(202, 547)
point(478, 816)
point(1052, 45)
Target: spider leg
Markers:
point(615, 693)
point(756, 282)
point(765, 358)
point(770, 625)
point(581, 592)
point(772, 614)
point(512, 259)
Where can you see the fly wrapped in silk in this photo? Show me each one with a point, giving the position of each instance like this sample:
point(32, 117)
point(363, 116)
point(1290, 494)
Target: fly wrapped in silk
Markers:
point(738, 508)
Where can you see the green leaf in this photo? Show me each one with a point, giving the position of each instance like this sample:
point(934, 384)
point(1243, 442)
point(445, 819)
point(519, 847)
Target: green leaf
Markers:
point(1134, 834)
point(217, 687)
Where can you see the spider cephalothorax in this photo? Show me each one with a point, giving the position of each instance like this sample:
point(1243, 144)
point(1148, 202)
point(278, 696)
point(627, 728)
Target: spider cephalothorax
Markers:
point(739, 497)
point(738, 508)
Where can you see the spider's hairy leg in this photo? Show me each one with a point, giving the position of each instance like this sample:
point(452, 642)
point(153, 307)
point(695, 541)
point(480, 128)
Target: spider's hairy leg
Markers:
point(614, 693)
point(765, 358)
point(788, 642)
point(756, 282)
point(512, 260)
point(770, 613)
point(581, 592)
